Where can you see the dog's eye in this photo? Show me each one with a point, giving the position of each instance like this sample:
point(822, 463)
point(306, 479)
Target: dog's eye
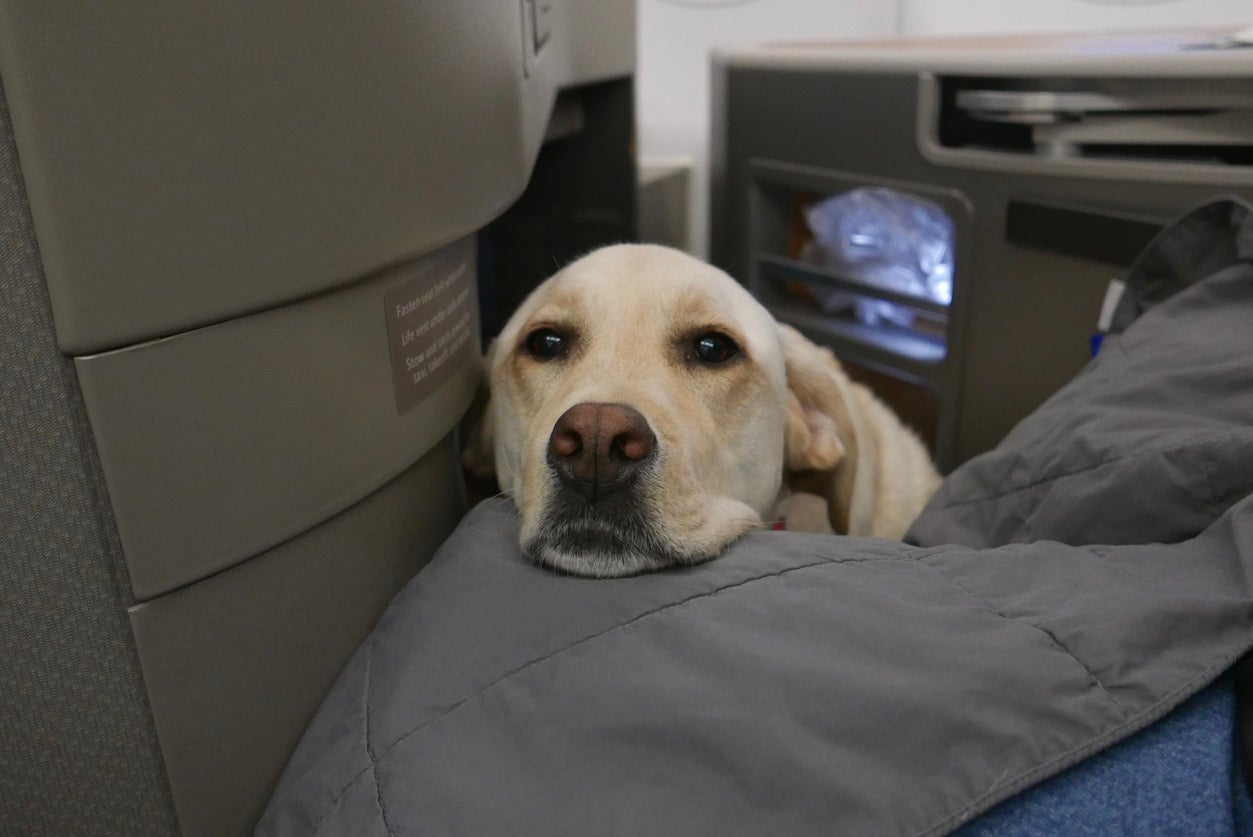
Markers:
point(715, 348)
point(544, 343)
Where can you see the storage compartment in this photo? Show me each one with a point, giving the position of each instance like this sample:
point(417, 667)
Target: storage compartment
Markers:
point(880, 256)
point(871, 265)
point(868, 267)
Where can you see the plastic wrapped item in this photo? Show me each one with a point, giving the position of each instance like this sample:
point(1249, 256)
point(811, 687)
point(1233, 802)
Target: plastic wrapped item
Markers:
point(884, 238)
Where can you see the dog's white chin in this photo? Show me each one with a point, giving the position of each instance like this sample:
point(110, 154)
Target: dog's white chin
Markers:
point(608, 564)
point(598, 548)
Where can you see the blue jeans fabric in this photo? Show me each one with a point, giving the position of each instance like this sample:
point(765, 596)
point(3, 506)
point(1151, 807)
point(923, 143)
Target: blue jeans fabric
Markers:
point(1180, 776)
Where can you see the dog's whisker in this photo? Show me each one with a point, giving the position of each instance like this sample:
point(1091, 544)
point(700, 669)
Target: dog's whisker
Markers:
point(513, 475)
point(501, 499)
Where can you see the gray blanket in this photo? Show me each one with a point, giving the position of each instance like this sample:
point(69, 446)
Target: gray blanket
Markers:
point(808, 684)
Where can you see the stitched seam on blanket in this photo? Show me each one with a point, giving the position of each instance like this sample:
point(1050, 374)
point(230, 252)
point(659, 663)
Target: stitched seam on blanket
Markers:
point(1022, 621)
point(337, 799)
point(1153, 712)
point(823, 560)
point(1201, 439)
point(374, 766)
point(1208, 461)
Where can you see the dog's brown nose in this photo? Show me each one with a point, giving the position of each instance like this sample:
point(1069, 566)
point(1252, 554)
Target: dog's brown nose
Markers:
point(595, 448)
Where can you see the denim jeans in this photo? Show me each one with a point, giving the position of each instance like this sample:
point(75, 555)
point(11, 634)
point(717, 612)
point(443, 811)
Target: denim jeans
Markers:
point(1180, 776)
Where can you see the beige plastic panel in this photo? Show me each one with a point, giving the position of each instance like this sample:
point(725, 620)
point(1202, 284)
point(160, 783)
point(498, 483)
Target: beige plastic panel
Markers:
point(222, 442)
point(1184, 53)
point(599, 38)
point(190, 162)
point(236, 665)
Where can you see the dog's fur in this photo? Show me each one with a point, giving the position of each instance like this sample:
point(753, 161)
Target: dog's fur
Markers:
point(731, 438)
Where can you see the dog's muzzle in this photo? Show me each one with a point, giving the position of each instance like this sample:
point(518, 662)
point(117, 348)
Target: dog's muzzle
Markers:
point(599, 519)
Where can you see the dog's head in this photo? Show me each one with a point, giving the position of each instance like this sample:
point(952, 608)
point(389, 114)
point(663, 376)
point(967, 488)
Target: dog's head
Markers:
point(640, 413)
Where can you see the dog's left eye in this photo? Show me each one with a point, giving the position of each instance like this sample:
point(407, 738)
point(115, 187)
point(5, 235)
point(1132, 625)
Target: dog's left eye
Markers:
point(715, 348)
point(545, 343)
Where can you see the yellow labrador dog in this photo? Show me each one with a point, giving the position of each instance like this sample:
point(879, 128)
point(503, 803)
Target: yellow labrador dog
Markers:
point(646, 411)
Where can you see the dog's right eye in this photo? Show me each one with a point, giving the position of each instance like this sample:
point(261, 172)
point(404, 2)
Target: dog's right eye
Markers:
point(714, 348)
point(544, 343)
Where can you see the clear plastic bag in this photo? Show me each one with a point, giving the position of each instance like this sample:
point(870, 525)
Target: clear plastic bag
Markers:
point(885, 238)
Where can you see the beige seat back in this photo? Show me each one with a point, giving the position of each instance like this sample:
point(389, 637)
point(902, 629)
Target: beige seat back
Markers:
point(237, 284)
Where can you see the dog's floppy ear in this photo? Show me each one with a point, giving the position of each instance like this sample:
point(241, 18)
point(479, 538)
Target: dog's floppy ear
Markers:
point(479, 455)
point(813, 440)
point(822, 437)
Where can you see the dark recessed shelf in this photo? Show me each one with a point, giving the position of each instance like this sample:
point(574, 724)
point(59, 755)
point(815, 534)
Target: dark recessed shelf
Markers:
point(884, 347)
point(777, 267)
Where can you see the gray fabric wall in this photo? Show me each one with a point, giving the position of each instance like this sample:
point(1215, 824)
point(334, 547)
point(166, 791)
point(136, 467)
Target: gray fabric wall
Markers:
point(78, 752)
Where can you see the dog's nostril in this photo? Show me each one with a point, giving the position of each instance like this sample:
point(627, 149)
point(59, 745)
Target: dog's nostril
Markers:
point(565, 442)
point(634, 445)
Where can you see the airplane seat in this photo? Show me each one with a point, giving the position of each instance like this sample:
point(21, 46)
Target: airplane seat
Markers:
point(238, 327)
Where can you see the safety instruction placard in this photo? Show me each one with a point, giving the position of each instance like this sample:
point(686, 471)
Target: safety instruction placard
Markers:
point(432, 324)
